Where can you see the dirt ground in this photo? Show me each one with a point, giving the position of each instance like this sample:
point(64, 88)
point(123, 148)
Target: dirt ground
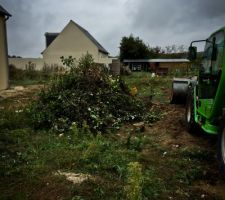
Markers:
point(19, 95)
point(172, 135)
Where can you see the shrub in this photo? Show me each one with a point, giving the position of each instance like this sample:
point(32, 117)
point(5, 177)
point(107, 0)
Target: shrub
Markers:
point(86, 94)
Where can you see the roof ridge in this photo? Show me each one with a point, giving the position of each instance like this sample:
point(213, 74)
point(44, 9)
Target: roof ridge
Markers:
point(100, 47)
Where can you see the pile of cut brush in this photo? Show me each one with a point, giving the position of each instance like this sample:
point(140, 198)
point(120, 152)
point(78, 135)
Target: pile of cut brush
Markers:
point(85, 95)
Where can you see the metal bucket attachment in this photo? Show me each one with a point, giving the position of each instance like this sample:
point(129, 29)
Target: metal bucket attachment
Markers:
point(179, 90)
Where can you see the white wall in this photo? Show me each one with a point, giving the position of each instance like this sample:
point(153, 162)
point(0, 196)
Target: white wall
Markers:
point(4, 75)
point(22, 63)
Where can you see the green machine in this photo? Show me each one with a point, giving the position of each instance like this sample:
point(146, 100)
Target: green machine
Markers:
point(205, 94)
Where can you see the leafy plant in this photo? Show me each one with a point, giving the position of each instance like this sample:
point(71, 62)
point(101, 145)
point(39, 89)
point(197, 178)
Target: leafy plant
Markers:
point(133, 189)
point(86, 94)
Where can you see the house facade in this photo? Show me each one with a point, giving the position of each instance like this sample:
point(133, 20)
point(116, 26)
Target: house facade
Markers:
point(4, 71)
point(73, 41)
point(158, 66)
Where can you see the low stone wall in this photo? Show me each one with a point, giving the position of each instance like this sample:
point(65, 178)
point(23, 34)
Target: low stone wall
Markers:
point(27, 63)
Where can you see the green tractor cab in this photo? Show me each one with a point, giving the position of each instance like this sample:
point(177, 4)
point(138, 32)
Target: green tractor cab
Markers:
point(205, 95)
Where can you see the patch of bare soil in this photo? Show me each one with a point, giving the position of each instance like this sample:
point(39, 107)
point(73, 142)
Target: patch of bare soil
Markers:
point(171, 129)
point(19, 95)
point(171, 134)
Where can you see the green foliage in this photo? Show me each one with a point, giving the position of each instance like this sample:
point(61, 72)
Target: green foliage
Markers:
point(136, 141)
point(87, 94)
point(149, 88)
point(13, 118)
point(69, 62)
point(28, 158)
point(27, 76)
point(153, 116)
point(134, 48)
point(133, 189)
point(152, 185)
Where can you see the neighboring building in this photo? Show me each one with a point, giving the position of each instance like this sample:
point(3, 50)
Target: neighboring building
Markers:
point(158, 66)
point(73, 41)
point(4, 71)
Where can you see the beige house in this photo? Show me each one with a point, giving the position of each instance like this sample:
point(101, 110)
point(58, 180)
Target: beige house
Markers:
point(4, 72)
point(73, 41)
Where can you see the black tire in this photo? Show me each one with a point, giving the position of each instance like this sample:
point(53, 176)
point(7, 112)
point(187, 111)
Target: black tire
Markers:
point(190, 123)
point(221, 147)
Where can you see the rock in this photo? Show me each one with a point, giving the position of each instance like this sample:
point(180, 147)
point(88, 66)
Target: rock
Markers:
point(140, 126)
point(203, 196)
point(19, 88)
point(164, 153)
point(61, 134)
point(75, 178)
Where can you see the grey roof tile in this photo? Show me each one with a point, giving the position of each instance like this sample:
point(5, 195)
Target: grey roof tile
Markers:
point(50, 37)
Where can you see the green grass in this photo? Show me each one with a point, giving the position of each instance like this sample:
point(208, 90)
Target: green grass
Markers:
point(28, 77)
point(150, 88)
point(30, 158)
point(27, 82)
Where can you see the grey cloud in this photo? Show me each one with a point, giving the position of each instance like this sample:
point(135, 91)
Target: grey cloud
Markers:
point(23, 28)
point(161, 22)
point(172, 20)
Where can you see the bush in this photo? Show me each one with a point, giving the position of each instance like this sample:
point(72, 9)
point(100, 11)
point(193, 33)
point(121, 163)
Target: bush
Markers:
point(86, 94)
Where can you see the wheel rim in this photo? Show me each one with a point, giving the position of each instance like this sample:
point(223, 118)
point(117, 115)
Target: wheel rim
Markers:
point(188, 113)
point(223, 145)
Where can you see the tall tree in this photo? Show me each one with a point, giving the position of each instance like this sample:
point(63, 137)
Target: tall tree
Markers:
point(134, 48)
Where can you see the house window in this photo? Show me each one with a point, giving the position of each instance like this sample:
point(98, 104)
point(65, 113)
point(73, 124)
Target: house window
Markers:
point(135, 67)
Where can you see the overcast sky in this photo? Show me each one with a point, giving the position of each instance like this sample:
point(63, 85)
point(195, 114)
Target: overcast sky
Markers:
point(157, 22)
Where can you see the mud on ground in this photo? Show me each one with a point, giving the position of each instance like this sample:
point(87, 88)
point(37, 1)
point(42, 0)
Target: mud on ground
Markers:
point(169, 133)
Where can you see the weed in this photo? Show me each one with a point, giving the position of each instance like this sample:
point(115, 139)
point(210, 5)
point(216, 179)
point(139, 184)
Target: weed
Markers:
point(28, 76)
point(153, 186)
point(133, 189)
point(135, 142)
point(13, 119)
point(152, 117)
